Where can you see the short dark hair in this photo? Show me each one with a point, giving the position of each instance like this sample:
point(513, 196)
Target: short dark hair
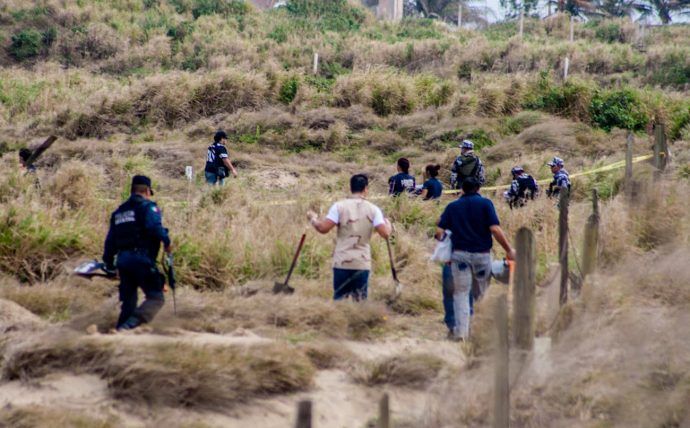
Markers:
point(358, 183)
point(432, 170)
point(220, 135)
point(404, 164)
point(470, 185)
point(24, 154)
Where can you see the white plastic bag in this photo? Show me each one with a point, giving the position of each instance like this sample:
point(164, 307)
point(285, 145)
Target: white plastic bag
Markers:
point(443, 250)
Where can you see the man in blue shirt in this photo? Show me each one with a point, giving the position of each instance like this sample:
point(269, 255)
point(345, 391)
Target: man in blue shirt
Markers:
point(402, 181)
point(135, 235)
point(473, 221)
point(217, 162)
point(561, 178)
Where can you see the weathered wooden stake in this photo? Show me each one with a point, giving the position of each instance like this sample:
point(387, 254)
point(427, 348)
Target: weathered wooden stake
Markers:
point(660, 148)
point(316, 62)
point(460, 14)
point(522, 19)
point(563, 242)
point(591, 243)
point(304, 414)
point(384, 412)
point(502, 386)
point(572, 29)
point(628, 163)
point(524, 289)
point(566, 66)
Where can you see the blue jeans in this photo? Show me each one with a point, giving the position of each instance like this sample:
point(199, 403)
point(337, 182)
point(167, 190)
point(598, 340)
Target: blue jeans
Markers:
point(449, 314)
point(448, 309)
point(350, 282)
point(471, 275)
point(138, 271)
point(212, 178)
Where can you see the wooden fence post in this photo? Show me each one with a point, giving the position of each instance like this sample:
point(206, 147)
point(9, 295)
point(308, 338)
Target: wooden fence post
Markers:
point(629, 164)
point(502, 386)
point(660, 147)
point(304, 414)
point(316, 63)
point(572, 29)
point(384, 412)
point(564, 200)
point(566, 67)
point(591, 243)
point(459, 14)
point(522, 19)
point(524, 290)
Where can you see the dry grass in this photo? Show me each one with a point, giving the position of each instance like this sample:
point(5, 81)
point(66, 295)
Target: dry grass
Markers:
point(413, 370)
point(39, 416)
point(172, 374)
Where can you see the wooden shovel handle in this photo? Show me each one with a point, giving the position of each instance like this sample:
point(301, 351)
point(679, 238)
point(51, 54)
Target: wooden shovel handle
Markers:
point(390, 257)
point(294, 259)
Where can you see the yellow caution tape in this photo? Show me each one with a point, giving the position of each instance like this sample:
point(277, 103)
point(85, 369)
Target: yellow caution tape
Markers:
point(610, 167)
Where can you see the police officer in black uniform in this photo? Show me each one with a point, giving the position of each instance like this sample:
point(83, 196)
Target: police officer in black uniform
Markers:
point(134, 238)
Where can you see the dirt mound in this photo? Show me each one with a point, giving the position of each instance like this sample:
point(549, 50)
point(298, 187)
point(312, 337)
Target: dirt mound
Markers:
point(14, 317)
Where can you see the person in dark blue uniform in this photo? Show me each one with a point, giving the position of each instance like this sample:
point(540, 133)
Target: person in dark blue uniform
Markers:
point(218, 163)
point(561, 178)
point(432, 188)
point(523, 188)
point(132, 245)
point(402, 181)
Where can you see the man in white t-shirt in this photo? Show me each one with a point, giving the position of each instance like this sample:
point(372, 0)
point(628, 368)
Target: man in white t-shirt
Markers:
point(356, 219)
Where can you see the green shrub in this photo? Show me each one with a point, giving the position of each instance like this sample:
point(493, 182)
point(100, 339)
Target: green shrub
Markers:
point(609, 32)
point(219, 7)
point(481, 139)
point(571, 99)
point(680, 119)
point(418, 29)
point(279, 33)
point(331, 15)
point(433, 91)
point(288, 90)
point(389, 97)
point(618, 108)
point(516, 124)
point(26, 44)
point(673, 69)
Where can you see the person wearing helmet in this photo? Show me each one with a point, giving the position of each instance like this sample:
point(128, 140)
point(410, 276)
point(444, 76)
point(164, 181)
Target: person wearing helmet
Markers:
point(561, 179)
point(466, 165)
point(523, 188)
point(217, 162)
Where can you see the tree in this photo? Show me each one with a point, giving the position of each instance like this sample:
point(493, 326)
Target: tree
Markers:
point(447, 10)
point(513, 7)
point(666, 8)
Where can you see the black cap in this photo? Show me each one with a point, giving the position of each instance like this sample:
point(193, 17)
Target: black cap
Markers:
point(220, 135)
point(142, 179)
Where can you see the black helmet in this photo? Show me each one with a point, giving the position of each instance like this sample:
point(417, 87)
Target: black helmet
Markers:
point(517, 170)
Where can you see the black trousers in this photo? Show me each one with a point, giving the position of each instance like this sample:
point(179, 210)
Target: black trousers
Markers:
point(137, 270)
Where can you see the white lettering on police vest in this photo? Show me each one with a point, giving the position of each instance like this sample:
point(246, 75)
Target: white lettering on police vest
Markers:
point(125, 217)
point(407, 183)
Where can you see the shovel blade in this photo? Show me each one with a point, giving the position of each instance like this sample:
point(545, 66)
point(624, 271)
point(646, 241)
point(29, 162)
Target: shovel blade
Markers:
point(280, 287)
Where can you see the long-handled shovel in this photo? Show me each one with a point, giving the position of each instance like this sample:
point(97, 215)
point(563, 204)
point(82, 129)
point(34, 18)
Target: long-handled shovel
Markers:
point(283, 287)
point(398, 286)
